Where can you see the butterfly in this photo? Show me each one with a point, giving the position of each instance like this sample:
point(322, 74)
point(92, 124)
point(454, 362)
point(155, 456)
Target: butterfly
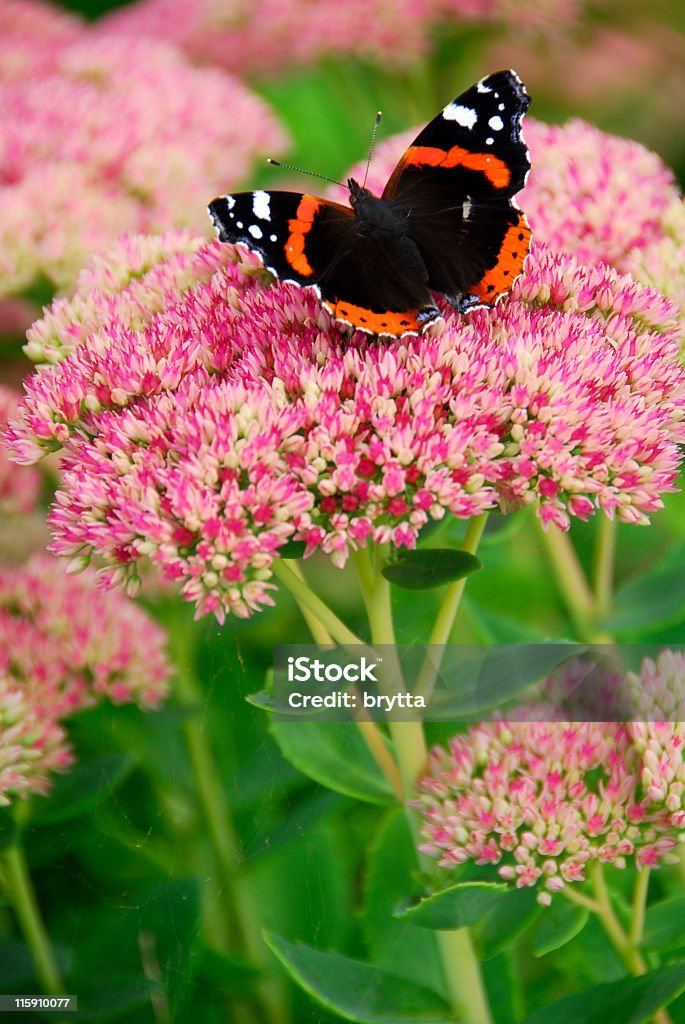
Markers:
point(447, 221)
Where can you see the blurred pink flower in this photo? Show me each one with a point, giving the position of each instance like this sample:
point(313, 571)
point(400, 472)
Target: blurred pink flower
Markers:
point(19, 487)
point(67, 644)
point(544, 800)
point(265, 37)
point(103, 134)
point(33, 33)
point(207, 418)
point(32, 745)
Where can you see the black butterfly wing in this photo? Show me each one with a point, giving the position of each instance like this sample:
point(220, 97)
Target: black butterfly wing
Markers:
point(457, 182)
point(315, 242)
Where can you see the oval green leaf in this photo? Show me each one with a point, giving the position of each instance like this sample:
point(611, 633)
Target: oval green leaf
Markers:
point(359, 991)
point(665, 925)
point(427, 568)
point(628, 1001)
point(334, 755)
point(558, 925)
point(456, 907)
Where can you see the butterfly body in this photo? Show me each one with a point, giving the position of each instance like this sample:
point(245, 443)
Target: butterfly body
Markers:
point(446, 223)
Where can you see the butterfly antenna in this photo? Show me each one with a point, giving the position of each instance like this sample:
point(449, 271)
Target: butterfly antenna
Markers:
point(301, 170)
point(373, 143)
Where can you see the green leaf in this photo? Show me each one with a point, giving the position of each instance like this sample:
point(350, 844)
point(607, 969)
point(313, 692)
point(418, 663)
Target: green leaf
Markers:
point(77, 792)
point(665, 924)
point(655, 599)
point(358, 991)
point(426, 568)
point(628, 1001)
point(456, 907)
point(505, 921)
point(335, 755)
point(558, 925)
point(293, 549)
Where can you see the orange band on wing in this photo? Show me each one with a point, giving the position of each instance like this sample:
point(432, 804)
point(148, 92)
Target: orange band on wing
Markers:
point(394, 324)
point(510, 260)
point(494, 169)
point(298, 226)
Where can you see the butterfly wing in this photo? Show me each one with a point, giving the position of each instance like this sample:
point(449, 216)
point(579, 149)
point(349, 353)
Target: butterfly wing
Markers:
point(315, 242)
point(458, 181)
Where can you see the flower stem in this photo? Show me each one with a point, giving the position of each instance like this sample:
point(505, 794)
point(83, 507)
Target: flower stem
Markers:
point(368, 729)
point(460, 966)
point(604, 564)
point(580, 601)
point(21, 894)
point(309, 600)
point(445, 619)
point(637, 921)
point(625, 944)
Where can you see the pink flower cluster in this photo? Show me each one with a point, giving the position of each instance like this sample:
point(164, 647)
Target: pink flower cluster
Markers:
point(64, 646)
point(69, 644)
point(32, 745)
point(544, 800)
point(19, 487)
point(207, 419)
point(103, 134)
point(265, 37)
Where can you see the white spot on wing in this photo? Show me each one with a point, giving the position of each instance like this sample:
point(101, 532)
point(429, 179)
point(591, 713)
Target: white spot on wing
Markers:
point(489, 142)
point(481, 87)
point(230, 202)
point(273, 238)
point(466, 208)
point(464, 116)
point(239, 225)
point(255, 231)
point(260, 205)
point(496, 123)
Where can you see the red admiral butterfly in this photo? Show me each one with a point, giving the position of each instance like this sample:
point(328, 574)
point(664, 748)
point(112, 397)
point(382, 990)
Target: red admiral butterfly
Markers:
point(447, 221)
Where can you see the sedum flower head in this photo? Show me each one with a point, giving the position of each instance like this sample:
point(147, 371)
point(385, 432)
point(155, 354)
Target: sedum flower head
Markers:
point(67, 644)
point(207, 417)
point(102, 134)
point(32, 745)
point(542, 801)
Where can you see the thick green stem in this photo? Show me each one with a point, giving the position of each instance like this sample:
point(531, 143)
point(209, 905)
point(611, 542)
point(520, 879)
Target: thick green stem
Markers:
point(460, 965)
point(20, 893)
point(604, 564)
point(574, 588)
point(637, 921)
point(309, 600)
